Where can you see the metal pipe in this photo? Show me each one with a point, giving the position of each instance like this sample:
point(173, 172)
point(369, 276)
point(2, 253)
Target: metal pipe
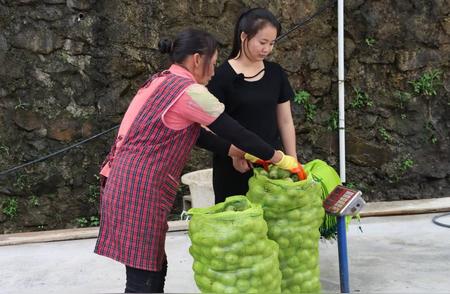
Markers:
point(341, 90)
point(343, 258)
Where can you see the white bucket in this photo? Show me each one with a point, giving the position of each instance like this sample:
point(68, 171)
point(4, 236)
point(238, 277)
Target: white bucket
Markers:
point(200, 186)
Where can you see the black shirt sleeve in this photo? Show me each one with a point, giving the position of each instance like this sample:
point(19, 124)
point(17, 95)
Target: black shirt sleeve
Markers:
point(286, 92)
point(210, 141)
point(229, 129)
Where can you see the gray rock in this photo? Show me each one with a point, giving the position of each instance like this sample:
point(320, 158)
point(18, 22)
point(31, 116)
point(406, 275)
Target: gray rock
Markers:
point(411, 60)
point(3, 92)
point(26, 1)
point(38, 41)
point(378, 56)
point(318, 83)
point(63, 129)
point(55, 1)
point(350, 47)
point(364, 153)
point(73, 47)
point(353, 4)
point(321, 59)
point(3, 47)
point(370, 120)
point(80, 4)
point(47, 14)
point(27, 120)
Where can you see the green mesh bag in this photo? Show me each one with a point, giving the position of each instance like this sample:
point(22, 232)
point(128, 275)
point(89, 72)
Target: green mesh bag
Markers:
point(328, 178)
point(230, 248)
point(293, 212)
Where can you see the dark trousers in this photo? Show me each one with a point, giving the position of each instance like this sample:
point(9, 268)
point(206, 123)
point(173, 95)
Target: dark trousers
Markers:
point(142, 281)
point(227, 181)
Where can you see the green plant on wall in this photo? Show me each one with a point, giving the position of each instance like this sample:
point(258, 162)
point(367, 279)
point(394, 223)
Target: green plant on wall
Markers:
point(84, 222)
point(428, 83)
point(397, 168)
point(10, 207)
point(21, 183)
point(303, 98)
point(333, 121)
point(370, 41)
point(406, 163)
point(360, 100)
point(21, 105)
point(430, 132)
point(93, 194)
point(385, 135)
point(34, 200)
point(350, 185)
point(94, 221)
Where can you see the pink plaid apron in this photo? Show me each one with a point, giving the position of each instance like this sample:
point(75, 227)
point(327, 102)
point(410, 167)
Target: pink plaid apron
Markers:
point(142, 184)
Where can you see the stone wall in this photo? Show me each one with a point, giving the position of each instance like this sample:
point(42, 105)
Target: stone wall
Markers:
point(70, 67)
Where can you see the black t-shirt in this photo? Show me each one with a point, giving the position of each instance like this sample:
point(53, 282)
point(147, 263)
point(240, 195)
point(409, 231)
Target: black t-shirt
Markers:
point(253, 103)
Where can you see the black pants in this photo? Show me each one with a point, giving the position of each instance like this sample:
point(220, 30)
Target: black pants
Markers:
point(142, 281)
point(227, 181)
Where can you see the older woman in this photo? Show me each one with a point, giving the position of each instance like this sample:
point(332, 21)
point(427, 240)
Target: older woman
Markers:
point(142, 171)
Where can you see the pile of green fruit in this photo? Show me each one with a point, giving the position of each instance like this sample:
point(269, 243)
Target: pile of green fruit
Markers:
point(277, 173)
point(293, 212)
point(231, 251)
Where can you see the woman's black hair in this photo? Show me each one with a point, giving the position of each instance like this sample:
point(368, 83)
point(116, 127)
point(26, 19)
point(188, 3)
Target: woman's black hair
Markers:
point(250, 22)
point(189, 42)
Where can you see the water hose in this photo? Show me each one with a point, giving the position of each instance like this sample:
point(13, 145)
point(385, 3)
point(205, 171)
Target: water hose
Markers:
point(436, 217)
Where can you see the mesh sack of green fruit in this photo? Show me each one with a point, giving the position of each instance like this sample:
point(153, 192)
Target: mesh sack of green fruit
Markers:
point(230, 248)
point(293, 212)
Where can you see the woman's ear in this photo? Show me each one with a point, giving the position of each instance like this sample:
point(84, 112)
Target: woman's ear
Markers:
point(243, 37)
point(197, 59)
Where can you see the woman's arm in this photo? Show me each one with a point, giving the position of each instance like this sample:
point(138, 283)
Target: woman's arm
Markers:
point(286, 128)
point(229, 129)
point(197, 105)
point(211, 142)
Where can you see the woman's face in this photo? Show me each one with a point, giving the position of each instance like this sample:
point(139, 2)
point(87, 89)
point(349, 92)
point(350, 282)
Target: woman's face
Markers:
point(261, 45)
point(204, 71)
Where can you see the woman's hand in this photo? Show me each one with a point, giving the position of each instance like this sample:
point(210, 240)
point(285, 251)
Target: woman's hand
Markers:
point(240, 164)
point(235, 152)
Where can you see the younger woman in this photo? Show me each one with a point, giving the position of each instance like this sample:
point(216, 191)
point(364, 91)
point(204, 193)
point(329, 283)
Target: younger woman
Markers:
point(256, 93)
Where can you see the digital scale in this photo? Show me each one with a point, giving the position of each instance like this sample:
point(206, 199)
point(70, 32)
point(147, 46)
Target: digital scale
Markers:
point(342, 202)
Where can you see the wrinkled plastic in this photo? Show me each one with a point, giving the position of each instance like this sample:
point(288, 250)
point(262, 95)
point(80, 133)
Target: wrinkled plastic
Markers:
point(293, 212)
point(231, 251)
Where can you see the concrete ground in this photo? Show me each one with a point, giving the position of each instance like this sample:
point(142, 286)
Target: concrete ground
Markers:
point(396, 254)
